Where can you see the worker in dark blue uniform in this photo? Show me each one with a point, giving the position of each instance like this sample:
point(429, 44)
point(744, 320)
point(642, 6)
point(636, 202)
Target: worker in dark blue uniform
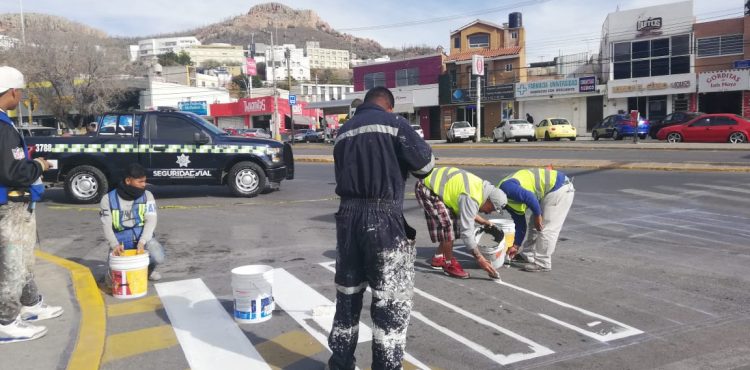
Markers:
point(374, 152)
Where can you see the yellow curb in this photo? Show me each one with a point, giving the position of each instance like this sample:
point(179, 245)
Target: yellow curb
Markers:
point(89, 347)
point(567, 163)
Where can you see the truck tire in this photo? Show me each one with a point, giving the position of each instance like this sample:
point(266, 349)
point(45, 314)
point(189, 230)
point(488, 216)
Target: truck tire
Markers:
point(86, 184)
point(246, 179)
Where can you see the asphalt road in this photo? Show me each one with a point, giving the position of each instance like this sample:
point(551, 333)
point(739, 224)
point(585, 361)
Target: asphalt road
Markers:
point(513, 150)
point(651, 271)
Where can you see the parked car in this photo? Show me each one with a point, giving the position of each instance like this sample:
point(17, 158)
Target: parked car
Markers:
point(254, 132)
point(231, 131)
point(418, 129)
point(617, 126)
point(460, 131)
point(308, 136)
point(709, 128)
point(673, 119)
point(28, 131)
point(555, 129)
point(513, 129)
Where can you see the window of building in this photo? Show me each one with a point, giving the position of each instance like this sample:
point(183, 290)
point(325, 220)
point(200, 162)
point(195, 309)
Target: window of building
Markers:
point(659, 57)
point(407, 77)
point(479, 40)
point(508, 67)
point(374, 80)
point(514, 35)
point(457, 42)
point(720, 45)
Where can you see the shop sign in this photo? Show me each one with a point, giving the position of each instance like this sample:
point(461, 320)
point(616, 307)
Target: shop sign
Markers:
point(649, 24)
point(255, 106)
point(489, 93)
point(556, 87)
point(198, 107)
point(732, 80)
point(675, 84)
point(742, 64)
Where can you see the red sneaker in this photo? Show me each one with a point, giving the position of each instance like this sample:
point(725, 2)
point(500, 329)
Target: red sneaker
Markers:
point(454, 269)
point(437, 262)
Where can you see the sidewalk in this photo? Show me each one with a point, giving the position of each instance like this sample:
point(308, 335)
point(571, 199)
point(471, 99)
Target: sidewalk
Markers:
point(53, 351)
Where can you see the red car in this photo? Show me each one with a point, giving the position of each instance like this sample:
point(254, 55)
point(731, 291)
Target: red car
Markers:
point(709, 128)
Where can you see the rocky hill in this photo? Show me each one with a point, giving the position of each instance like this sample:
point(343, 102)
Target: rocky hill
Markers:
point(290, 26)
point(44, 23)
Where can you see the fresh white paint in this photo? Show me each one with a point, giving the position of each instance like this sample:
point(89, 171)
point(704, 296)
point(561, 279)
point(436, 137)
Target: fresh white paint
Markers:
point(207, 334)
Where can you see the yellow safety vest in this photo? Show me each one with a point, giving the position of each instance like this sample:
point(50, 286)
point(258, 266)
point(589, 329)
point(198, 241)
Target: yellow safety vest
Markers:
point(539, 181)
point(450, 182)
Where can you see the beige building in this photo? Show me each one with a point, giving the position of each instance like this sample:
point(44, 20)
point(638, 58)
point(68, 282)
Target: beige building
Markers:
point(321, 58)
point(222, 53)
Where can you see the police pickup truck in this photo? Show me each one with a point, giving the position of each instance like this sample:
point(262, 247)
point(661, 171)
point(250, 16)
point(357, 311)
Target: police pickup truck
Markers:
point(177, 148)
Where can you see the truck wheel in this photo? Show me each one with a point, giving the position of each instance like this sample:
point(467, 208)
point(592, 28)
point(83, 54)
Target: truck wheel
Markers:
point(86, 184)
point(246, 179)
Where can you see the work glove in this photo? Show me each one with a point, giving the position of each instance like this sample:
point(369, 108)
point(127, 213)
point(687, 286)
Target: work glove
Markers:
point(496, 232)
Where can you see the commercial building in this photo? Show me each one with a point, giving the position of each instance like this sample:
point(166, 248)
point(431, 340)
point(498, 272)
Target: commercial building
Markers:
point(503, 48)
point(224, 54)
point(647, 60)
point(258, 113)
point(321, 58)
point(311, 92)
point(414, 83)
point(722, 62)
point(150, 48)
point(276, 63)
point(164, 94)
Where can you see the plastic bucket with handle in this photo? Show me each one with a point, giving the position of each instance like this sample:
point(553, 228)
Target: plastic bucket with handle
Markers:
point(129, 273)
point(493, 251)
point(253, 293)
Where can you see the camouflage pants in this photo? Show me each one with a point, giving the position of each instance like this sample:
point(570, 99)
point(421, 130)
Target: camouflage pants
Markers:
point(17, 241)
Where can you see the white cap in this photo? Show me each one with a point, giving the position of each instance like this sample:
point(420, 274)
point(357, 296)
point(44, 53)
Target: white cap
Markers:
point(496, 196)
point(11, 78)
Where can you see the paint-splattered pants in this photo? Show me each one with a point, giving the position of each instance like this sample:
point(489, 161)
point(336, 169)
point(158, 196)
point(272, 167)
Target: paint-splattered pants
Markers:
point(17, 241)
point(375, 248)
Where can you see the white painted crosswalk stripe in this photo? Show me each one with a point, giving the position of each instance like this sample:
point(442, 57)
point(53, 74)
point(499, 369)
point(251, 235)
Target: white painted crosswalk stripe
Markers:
point(300, 301)
point(536, 350)
point(209, 337)
point(616, 330)
point(649, 194)
point(722, 188)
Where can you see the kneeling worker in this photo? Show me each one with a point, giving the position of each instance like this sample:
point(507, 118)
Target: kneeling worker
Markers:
point(128, 215)
point(451, 199)
point(549, 195)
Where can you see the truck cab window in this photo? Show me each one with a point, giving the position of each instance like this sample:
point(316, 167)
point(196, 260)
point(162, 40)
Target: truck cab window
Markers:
point(174, 129)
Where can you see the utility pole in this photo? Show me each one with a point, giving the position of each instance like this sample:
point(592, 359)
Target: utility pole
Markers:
point(275, 121)
point(23, 26)
point(288, 56)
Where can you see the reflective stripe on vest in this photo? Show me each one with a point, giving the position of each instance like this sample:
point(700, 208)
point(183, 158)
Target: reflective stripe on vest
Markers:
point(139, 217)
point(450, 182)
point(538, 181)
point(36, 190)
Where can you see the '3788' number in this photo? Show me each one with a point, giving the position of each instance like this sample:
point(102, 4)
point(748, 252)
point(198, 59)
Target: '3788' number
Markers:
point(43, 148)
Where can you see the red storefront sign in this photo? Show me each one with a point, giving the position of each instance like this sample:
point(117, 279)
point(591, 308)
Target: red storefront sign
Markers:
point(259, 107)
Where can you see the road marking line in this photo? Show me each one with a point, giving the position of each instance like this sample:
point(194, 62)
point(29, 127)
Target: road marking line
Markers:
point(92, 329)
point(718, 187)
point(649, 194)
point(132, 343)
point(613, 335)
point(289, 348)
point(299, 300)
point(701, 193)
point(146, 304)
point(537, 350)
point(209, 337)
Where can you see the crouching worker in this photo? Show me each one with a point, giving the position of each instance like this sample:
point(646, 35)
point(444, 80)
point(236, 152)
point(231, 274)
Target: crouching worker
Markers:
point(128, 216)
point(452, 199)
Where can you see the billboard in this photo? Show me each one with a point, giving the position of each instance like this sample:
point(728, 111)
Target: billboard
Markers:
point(198, 107)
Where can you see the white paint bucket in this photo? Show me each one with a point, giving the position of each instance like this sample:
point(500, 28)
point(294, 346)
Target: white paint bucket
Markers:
point(509, 229)
point(252, 286)
point(129, 273)
point(493, 251)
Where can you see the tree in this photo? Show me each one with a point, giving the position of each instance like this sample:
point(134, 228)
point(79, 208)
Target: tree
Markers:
point(75, 77)
point(172, 59)
point(238, 87)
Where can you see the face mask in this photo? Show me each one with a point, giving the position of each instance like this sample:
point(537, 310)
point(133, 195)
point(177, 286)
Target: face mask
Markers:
point(128, 192)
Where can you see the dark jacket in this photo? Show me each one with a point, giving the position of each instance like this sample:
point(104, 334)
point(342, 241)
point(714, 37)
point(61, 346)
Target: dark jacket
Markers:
point(374, 153)
point(15, 170)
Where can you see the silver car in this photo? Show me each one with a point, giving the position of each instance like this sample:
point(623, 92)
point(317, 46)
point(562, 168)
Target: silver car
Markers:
point(513, 129)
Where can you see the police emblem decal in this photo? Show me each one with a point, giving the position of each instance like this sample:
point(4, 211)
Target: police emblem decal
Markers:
point(183, 160)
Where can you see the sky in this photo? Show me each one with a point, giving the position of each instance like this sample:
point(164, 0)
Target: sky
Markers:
point(553, 27)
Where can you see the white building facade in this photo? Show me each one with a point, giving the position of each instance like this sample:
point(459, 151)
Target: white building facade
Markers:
point(223, 53)
point(311, 92)
point(648, 58)
point(321, 58)
point(150, 48)
point(276, 64)
point(164, 94)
